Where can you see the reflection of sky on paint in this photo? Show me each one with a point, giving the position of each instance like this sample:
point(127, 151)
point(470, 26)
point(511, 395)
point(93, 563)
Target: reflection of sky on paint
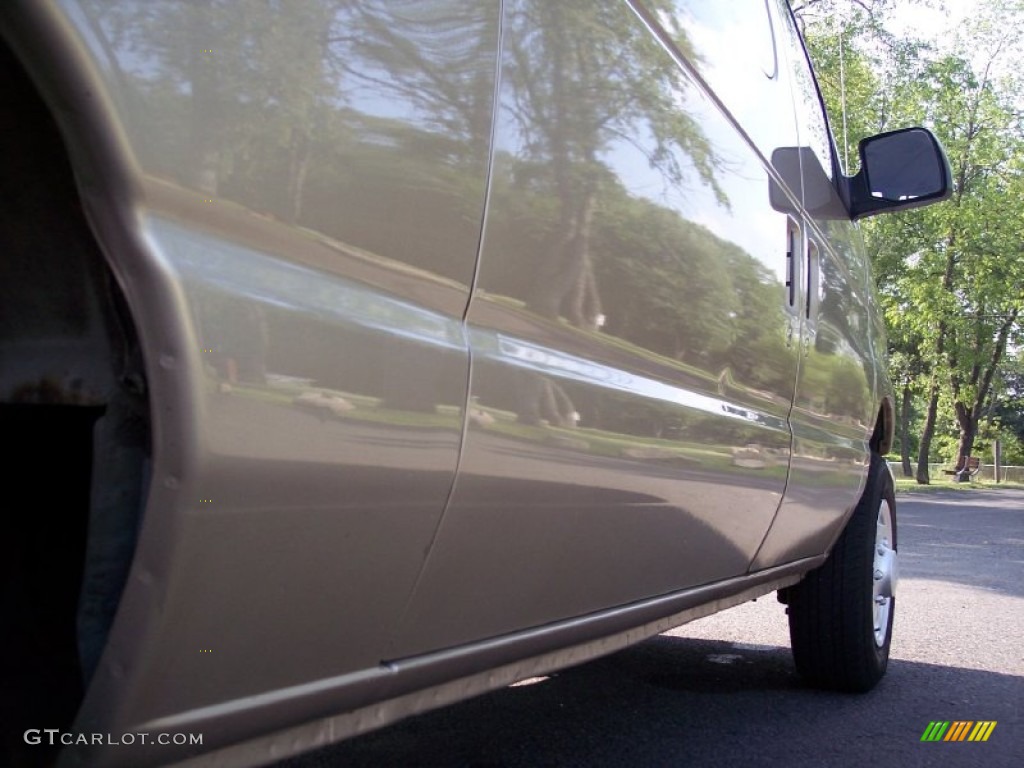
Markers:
point(91, 23)
point(749, 224)
point(740, 79)
point(740, 27)
point(747, 220)
point(242, 273)
point(370, 101)
point(736, 57)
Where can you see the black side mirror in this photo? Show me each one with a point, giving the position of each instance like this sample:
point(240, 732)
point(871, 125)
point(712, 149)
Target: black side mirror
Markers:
point(899, 170)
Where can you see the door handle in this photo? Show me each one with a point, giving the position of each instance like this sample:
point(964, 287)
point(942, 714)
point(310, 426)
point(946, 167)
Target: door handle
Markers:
point(793, 243)
point(794, 260)
point(812, 295)
point(813, 280)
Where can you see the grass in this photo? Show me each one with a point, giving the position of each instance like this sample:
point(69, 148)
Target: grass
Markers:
point(945, 483)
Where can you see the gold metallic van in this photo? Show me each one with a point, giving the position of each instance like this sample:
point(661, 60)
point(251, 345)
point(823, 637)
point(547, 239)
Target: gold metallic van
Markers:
point(360, 357)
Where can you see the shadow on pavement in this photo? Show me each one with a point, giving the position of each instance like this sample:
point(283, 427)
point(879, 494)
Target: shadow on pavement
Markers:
point(676, 701)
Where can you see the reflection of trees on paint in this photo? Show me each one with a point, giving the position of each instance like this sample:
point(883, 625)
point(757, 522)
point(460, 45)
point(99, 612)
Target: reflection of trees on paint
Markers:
point(236, 334)
point(225, 92)
point(580, 77)
point(340, 117)
point(349, 115)
point(426, 56)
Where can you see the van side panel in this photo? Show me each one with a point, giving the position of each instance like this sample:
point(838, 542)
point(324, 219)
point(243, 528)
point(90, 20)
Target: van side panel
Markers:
point(633, 359)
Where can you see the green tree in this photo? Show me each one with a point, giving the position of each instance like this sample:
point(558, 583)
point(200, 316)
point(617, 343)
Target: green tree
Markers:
point(949, 276)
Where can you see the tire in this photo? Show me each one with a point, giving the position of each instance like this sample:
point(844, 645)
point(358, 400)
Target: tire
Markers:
point(840, 615)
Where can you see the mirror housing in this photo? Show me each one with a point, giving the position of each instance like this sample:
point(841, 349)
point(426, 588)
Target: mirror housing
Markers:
point(899, 170)
point(799, 168)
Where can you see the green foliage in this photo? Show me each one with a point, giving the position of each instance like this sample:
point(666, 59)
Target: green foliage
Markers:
point(951, 277)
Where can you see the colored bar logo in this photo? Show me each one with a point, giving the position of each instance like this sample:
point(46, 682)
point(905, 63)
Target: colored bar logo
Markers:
point(958, 730)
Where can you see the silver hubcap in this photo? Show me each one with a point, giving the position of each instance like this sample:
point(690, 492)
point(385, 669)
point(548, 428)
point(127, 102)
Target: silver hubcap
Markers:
point(884, 582)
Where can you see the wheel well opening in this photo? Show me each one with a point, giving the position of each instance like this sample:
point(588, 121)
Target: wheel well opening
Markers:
point(75, 415)
point(885, 425)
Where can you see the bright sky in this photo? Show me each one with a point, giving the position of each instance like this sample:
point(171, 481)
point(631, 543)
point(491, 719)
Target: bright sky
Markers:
point(931, 24)
point(949, 28)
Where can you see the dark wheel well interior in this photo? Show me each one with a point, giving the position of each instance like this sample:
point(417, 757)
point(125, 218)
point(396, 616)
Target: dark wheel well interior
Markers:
point(885, 423)
point(75, 417)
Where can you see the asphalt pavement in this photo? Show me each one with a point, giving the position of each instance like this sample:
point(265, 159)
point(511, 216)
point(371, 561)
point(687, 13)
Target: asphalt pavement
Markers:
point(722, 691)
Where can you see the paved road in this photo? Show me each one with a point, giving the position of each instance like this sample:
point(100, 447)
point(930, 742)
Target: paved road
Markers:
point(722, 691)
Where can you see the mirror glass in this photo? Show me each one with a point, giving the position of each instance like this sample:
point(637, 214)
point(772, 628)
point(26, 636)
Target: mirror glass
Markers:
point(902, 166)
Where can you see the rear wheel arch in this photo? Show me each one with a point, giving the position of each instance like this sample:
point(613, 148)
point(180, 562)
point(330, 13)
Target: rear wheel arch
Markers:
point(885, 428)
point(74, 397)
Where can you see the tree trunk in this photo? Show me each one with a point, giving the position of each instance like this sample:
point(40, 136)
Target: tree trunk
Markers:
point(968, 415)
point(206, 105)
point(968, 431)
point(926, 435)
point(298, 168)
point(582, 303)
point(905, 432)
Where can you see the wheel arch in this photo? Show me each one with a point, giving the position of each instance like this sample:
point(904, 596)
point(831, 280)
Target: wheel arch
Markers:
point(885, 427)
point(44, 42)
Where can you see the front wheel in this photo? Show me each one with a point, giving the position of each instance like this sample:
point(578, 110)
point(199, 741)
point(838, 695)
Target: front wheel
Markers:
point(840, 615)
